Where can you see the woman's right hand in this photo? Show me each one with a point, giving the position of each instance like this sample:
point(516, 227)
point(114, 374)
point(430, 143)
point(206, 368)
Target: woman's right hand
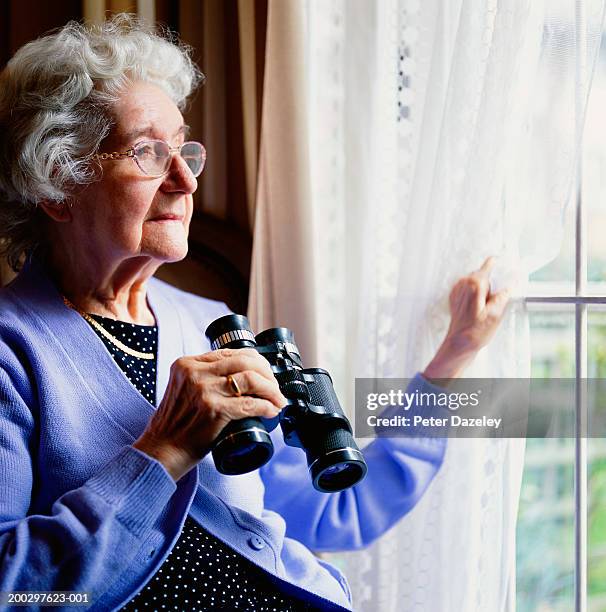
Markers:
point(199, 402)
point(475, 315)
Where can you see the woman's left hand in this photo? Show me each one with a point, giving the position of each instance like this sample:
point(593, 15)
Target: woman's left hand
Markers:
point(475, 314)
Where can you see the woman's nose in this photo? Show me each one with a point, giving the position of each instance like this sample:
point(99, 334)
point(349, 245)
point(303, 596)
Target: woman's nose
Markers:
point(179, 177)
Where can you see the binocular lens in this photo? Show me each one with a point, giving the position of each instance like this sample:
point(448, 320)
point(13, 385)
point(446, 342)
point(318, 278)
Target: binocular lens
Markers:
point(242, 447)
point(339, 476)
point(335, 463)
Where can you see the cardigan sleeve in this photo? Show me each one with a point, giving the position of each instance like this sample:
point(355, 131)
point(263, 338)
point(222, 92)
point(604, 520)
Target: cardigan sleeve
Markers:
point(399, 472)
point(91, 533)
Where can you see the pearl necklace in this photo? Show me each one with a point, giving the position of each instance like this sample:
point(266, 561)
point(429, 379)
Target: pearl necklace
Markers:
point(104, 332)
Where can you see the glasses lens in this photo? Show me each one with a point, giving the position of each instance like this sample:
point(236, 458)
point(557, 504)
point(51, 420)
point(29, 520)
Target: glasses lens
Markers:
point(195, 156)
point(153, 157)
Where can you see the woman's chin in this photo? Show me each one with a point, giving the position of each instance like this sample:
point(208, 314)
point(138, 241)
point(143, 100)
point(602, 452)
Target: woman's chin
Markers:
point(169, 244)
point(168, 253)
point(176, 254)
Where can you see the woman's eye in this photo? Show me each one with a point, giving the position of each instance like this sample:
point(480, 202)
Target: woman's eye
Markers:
point(145, 150)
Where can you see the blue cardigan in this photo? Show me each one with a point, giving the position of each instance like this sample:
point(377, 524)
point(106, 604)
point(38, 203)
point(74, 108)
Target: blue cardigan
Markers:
point(82, 510)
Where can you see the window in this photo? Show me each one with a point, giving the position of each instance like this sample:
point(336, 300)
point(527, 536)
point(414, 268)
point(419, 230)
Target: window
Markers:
point(561, 533)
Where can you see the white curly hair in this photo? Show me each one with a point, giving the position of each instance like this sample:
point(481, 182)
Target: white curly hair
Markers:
point(56, 97)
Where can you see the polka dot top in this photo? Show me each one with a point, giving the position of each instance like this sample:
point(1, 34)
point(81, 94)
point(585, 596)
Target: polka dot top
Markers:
point(141, 338)
point(201, 572)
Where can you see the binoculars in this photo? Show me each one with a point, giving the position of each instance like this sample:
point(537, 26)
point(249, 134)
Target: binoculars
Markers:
point(311, 420)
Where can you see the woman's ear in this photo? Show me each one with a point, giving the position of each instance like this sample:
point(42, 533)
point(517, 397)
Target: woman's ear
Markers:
point(57, 211)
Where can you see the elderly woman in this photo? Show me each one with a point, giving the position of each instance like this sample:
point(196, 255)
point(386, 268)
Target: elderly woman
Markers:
point(109, 396)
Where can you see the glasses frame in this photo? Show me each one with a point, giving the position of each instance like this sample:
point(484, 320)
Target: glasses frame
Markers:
point(171, 151)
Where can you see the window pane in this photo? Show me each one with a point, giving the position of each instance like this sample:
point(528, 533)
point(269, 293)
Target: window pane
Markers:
point(545, 530)
point(552, 340)
point(596, 520)
point(596, 524)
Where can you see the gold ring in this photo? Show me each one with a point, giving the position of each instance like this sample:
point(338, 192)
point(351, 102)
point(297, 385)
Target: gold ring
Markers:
point(234, 385)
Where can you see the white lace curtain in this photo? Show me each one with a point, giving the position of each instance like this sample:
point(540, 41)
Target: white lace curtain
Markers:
point(403, 142)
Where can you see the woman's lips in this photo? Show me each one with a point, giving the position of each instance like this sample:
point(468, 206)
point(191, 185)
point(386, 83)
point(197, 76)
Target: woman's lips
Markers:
point(168, 217)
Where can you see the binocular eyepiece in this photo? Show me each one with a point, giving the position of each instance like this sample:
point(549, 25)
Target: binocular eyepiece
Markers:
point(311, 420)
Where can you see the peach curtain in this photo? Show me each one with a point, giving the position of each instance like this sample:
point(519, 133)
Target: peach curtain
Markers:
point(282, 294)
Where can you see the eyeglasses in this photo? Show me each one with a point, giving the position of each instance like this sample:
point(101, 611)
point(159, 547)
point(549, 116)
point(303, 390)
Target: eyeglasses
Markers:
point(154, 156)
